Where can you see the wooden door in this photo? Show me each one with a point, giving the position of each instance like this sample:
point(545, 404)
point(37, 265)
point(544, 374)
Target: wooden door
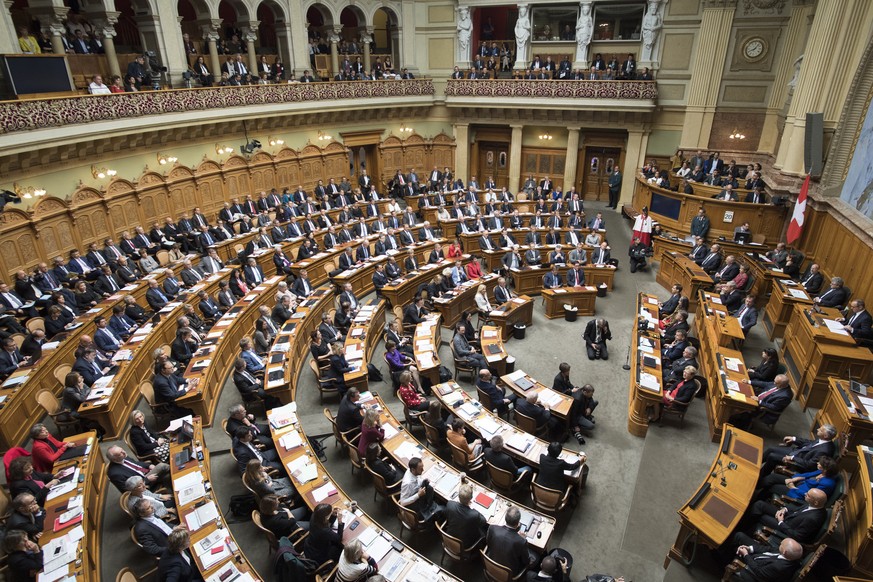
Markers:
point(597, 164)
point(493, 161)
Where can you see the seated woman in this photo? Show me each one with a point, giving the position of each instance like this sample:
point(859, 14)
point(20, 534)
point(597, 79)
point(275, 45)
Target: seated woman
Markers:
point(56, 322)
point(482, 303)
point(86, 297)
point(795, 487)
point(74, 395)
point(259, 481)
point(261, 338)
point(434, 417)
point(318, 348)
point(383, 467)
point(371, 431)
point(682, 306)
point(682, 393)
point(144, 441)
point(435, 288)
point(355, 564)
point(324, 543)
point(163, 505)
point(474, 269)
point(339, 367)
point(762, 375)
point(455, 250)
point(399, 362)
point(457, 436)
point(23, 479)
point(740, 280)
point(411, 398)
point(46, 449)
point(281, 520)
point(24, 557)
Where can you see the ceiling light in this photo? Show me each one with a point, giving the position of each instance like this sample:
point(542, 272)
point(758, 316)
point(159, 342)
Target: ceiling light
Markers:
point(164, 160)
point(28, 192)
point(221, 150)
point(737, 135)
point(405, 129)
point(323, 136)
point(274, 141)
point(545, 136)
point(102, 173)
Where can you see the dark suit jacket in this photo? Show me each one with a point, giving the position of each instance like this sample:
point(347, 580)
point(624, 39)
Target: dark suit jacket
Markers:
point(761, 568)
point(508, 548)
point(535, 411)
point(464, 522)
point(172, 567)
point(17, 520)
point(167, 388)
point(861, 327)
point(802, 525)
point(730, 272)
point(154, 300)
point(813, 285)
point(591, 332)
point(86, 369)
point(139, 438)
point(246, 387)
point(153, 540)
point(23, 564)
point(732, 301)
point(119, 473)
point(775, 403)
point(501, 460)
point(808, 451)
point(551, 473)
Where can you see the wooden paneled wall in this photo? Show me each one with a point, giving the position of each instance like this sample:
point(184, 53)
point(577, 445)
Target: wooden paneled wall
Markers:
point(415, 152)
point(841, 249)
point(542, 162)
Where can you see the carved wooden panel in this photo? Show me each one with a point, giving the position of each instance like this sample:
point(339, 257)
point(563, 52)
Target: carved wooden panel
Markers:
point(840, 249)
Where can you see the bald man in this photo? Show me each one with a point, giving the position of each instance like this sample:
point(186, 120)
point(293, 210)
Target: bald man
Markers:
point(800, 523)
point(765, 565)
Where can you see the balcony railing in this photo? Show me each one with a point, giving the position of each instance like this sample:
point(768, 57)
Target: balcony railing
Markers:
point(28, 115)
point(552, 89)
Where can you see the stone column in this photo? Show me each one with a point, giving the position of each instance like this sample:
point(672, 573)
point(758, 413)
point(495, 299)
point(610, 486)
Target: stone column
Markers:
point(706, 73)
point(795, 40)
point(515, 159)
point(250, 35)
point(634, 158)
point(57, 30)
point(366, 41)
point(406, 55)
point(334, 38)
point(210, 35)
point(105, 27)
point(52, 19)
point(462, 151)
point(9, 40)
point(819, 87)
point(570, 165)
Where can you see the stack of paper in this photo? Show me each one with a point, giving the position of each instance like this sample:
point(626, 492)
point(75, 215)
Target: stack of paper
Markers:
point(212, 549)
point(649, 382)
point(519, 441)
point(323, 492)
point(549, 397)
point(406, 451)
point(291, 440)
point(284, 415)
point(488, 426)
point(517, 375)
point(189, 487)
point(201, 516)
point(302, 470)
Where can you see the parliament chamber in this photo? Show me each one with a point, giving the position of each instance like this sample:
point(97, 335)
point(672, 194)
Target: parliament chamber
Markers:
point(239, 240)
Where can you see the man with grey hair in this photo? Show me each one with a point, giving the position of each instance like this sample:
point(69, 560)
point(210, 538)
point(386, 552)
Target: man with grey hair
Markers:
point(507, 545)
point(464, 522)
point(800, 452)
point(135, 485)
point(763, 564)
point(150, 532)
point(120, 468)
point(238, 417)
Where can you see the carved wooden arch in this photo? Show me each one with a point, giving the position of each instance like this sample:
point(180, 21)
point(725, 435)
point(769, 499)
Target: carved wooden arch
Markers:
point(48, 207)
point(309, 151)
point(206, 168)
point(234, 162)
point(261, 158)
point(286, 154)
point(443, 138)
point(414, 139)
point(179, 173)
point(13, 218)
point(335, 147)
point(149, 179)
point(392, 141)
point(119, 186)
point(85, 196)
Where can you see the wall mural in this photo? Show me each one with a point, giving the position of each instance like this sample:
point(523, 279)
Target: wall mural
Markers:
point(858, 187)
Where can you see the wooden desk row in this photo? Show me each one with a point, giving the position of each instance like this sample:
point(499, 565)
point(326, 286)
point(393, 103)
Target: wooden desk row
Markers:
point(813, 352)
point(81, 536)
point(677, 244)
point(199, 510)
point(582, 298)
point(462, 298)
point(525, 447)
point(850, 414)
point(405, 564)
point(220, 348)
point(470, 241)
point(780, 307)
point(859, 513)
point(646, 382)
point(722, 364)
point(426, 346)
point(401, 291)
point(361, 341)
point(559, 404)
point(714, 511)
point(678, 268)
point(529, 280)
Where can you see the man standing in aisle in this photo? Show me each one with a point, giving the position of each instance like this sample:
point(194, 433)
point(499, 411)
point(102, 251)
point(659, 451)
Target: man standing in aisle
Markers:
point(614, 187)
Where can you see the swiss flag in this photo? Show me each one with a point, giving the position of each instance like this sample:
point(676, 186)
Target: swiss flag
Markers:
point(795, 228)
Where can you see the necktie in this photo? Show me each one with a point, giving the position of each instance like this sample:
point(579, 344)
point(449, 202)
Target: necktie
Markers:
point(741, 313)
point(767, 393)
point(13, 300)
point(852, 319)
point(133, 466)
point(112, 283)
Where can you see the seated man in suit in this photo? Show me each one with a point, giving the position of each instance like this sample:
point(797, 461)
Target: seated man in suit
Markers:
point(762, 565)
point(121, 468)
point(495, 455)
point(500, 400)
point(168, 386)
point(329, 332)
point(552, 467)
point(91, 367)
point(104, 337)
point(414, 312)
point(11, 357)
point(673, 372)
point(730, 297)
point(747, 315)
point(464, 351)
point(812, 279)
point(835, 296)
point(552, 279)
point(712, 261)
point(464, 522)
point(302, 286)
point(254, 363)
point(155, 297)
point(253, 273)
point(238, 417)
point(800, 452)
point(771, 402)
point(596, 335)
point(858, 322)
point(208, 307)
point(245, 449)
point(507, 547)
point(249, 386)
point(530, 406)
point(601, 256)
point(729, 270)
point(151, 533)
point(798, 523)
point(669, 306)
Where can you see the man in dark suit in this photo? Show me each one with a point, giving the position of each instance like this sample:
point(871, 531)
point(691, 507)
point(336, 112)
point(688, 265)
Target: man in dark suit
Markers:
point(414, 312)
point(90, 368)
point(727, 273)
point(150, 532)
point(120, 468)
point(669, 306)
point(495, 455)
point(464, 522)
point(168, 387)
point(107, 283)
point(711, 262)
point(254, 275)
point(596, 335)
point(329, 332)
point(614, 183)
point(245, 449)
point(835, 295)
point(530, 406)
point(747, 315)
point(500, 400)
point(552, 467)
point(771, 402)
point(798, 523)
point(764, 565)
point(601, 256)
point(507, 546)
point(800, 452)
point(156, 298)
point(11, 357)
point(730, 297)
point(502, 294)
point(858, 322)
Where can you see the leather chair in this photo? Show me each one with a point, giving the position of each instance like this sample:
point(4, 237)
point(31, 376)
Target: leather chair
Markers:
point(454, 548)
point(550, 500)
point(495, 572)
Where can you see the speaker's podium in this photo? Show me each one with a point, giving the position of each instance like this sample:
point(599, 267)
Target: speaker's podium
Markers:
point(714, 511)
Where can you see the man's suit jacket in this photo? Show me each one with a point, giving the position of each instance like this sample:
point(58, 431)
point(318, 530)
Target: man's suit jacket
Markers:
point(501, 295)
point(172, 566)
point(551, 473)
point(862, 325)
point(104, 340)
point(250, 275)
point(600, 256)
point(591, 332)
point(535, 411)
point(765, 568)
point(154, 299)
point(773, 405)
point(711, 262)
point(730, 271)
point(104, 284)
point(189, 276)
point(552, 280)
point(87, 370)
point(119, 473)
point(732, 301)
point(508, 548)
point(152, 539)
point(833, 297)
point(464, 523)
point(748, 319)
point(802, 524)
point(411, 314)
point(812, 282)
point(808, 452)
point(167, 388)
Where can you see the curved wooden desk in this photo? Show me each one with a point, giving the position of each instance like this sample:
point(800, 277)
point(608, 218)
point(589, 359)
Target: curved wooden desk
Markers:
point(200, 512)
point(361, 341)
point(401, 291)
point(529, 280)
point(294, 450)
point(724, 216)
point(558, 404)
point(780, 307)
point(470, 241)
point(521, 445)
point(84, 565)
point(645, 390)
point(493, 349)
point(677, 268)
point(582, 298)
point(859, 513)
point(462, 298)
point(425, 345)
point(220, 348)
point(518, 310)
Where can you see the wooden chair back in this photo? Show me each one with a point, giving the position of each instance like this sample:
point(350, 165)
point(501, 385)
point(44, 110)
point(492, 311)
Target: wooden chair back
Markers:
point(546, 499)
point(495, 572)
point(432, 435)
point(60, 372)
point(453, 547)
point(122, 502)
point(18, 338)
point(163, 257)
point(501, 479)
point(151, 457)
point(49, 402)
point(527, 423)
point(35, 323)
point(271, 537)
point(408, 518)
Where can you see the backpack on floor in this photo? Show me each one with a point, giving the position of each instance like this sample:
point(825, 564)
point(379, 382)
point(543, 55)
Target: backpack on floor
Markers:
point(290, 566)
point(445, 374)
point(241, 506)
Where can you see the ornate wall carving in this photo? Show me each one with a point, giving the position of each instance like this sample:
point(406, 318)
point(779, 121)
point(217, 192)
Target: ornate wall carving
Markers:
point(415, 152)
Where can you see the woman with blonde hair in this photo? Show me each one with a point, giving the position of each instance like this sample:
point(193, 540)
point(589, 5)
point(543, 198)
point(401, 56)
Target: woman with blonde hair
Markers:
point(371, 430)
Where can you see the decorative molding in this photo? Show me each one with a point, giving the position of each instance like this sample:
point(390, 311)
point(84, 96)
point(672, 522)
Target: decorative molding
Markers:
point(640, 90)
point(18, 116)
point(763, 6)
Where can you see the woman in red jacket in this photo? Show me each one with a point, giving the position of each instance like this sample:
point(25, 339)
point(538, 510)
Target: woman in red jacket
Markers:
point(46, 449)
point(455, 250)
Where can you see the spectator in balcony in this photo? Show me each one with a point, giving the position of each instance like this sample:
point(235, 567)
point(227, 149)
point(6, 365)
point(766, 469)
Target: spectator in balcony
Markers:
point(97, 87)
point(81, 44)
point(136, 73)
point(593, 74)
point(234, 45)
point(27, 43)
point(457, 73)
point(265, 71)
point(405, 74)
point(388, 66)
point(95, 44)
point(646, 75)
point(278, 69)
point(234, 66)
point(202, 72)
point(307, 77)
point(190, 48)
point(116, 85)
point(628, 68)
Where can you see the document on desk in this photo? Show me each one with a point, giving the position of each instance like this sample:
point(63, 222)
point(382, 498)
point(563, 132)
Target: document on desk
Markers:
point(489, 333)
point(798, 294)
point(202, 516)
point(468, 410)
point(394, 567)
point(549, 397)
point(57, 553)
point(732, 364)
point(835, 327)
point(446, 484)
point(389, 431)
point(516, 376)
point(519, 441)
point(227, 573)
point(488, 426)
point(649, 382)
point(291, 440)
point(302, 470)
point(406, 451)
point(426, 360)
point(324, 492)
point(189, 487)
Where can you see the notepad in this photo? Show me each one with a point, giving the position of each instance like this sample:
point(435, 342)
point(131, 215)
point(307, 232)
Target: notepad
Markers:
point(201, 516)
point(484, 500)
point(324, 492)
